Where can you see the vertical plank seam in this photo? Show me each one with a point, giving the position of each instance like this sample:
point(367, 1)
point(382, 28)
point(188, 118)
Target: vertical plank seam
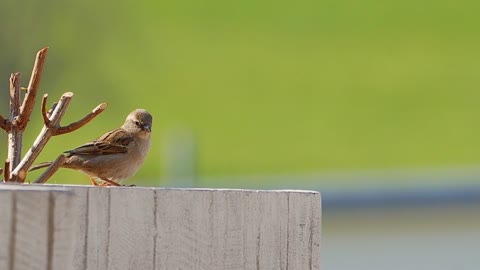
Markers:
point(155, 233)
point(312, 230)
point(259, 228)
point(13, 231)
point(258, 244)
point(109, 216)
point(87, 224)
point(225, 233)
point(288, 230)
point(50, 229)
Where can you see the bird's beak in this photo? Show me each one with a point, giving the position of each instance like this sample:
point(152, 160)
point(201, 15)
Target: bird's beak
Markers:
point(147, 128)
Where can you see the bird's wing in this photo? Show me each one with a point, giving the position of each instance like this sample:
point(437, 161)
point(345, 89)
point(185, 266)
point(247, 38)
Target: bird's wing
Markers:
point(113, 142)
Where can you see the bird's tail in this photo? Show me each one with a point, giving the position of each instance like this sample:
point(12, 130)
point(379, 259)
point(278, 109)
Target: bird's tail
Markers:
point(40, 165)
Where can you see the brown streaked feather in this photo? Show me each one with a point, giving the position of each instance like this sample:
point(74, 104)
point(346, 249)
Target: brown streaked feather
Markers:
point(113, 142)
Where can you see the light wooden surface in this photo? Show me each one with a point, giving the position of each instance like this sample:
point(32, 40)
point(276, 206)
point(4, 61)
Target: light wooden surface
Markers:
point(159, 228)
point(36, 226)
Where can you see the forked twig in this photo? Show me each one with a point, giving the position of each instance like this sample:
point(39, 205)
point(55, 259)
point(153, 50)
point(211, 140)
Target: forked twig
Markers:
point(80, 123)
point(51, 170)
point(20, 172)
point(59, 130)
point(15, 169)
point(51, 128)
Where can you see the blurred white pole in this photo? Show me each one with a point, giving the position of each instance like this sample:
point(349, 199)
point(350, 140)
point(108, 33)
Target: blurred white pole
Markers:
point(179, 158)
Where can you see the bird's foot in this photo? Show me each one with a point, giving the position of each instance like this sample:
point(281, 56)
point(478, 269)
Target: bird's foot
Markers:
point(108, 182)
point(93, 181)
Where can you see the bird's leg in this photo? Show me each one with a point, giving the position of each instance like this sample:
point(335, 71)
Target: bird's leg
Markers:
point(109, 182)
point(93, 181)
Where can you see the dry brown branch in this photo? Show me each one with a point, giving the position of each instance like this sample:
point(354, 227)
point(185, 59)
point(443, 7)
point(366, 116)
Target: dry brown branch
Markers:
point(20, 172)
point(1, 171)
point(45, 113)
point(16, 169)
point(76, 125)
point(15, 133)
point(29, 100)
point(51, 170)
point(51, 128)
point(7, 170)
point(4, 124)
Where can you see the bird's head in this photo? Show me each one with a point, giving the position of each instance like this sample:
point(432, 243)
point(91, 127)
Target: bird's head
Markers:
point(140, 121)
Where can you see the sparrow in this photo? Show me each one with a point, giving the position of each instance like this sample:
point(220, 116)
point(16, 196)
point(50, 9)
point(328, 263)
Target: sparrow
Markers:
point(114, 156)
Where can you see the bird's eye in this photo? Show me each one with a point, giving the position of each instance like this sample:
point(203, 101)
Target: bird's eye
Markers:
point(137, 123)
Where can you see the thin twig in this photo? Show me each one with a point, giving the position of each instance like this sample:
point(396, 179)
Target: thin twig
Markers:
point(80, 123)
point(4, 124)
point(45, 115)
point(7, 170)
point(29, 100)
point(46, 133)
point(15, 133)
point(51, 170)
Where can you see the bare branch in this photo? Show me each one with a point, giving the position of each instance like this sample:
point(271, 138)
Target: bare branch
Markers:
point(51, 170)
point(4, 124)
point(29, 100)
point(45, 115)
point(76, 125)
point(15, 133)
point(7, 170)
point(45, 134)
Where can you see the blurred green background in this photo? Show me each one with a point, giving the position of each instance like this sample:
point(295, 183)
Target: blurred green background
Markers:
point(346, 97)
point(262, 87)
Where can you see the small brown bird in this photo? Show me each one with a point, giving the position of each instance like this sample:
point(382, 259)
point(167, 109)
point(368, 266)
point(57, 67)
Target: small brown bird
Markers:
point(114, 156)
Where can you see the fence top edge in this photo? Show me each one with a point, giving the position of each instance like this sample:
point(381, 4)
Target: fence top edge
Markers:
point(69, 187)
point(31, 187)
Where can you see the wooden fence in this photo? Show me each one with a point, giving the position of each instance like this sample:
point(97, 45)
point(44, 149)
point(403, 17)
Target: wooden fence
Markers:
point(50, 227)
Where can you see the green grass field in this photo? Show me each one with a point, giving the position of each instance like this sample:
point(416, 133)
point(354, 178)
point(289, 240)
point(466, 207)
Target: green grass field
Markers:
point(266, 87)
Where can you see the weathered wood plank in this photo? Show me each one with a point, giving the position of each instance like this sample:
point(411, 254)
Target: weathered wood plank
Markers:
point(35, 228)
point(7, 209)
point(98, 229)
point(132, 229)
point(273, 231)
point(233, 229)
point(61, 231)
point(80, 230)
point(32, 225)
point(160, 228)
point(303, 231)
point(181, 241)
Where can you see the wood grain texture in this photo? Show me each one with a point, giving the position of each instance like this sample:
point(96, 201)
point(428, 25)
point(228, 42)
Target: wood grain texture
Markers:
point(303, 231)
point(35, 228)
point(31, 237)
point(132, 230)
point(61, 231)
point(160, 228)
point(6, 222)
point(237, 229)
point(80, 229)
